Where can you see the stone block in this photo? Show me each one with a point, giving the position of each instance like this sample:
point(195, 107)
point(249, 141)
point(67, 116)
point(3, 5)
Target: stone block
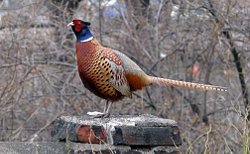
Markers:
point(143, 130)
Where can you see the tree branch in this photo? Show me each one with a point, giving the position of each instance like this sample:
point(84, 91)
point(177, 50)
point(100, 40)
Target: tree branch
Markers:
point(237, 61)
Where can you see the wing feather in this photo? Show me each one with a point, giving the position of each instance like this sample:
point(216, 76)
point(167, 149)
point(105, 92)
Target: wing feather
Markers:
point(117, 78)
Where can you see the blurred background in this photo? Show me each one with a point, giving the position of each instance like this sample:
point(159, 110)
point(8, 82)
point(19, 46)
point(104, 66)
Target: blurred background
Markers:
point(205, 41)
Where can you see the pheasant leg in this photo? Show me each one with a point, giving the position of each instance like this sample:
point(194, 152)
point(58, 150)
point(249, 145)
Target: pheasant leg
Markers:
point(104, 114)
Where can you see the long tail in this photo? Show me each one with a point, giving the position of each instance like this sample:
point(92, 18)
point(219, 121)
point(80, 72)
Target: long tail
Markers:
point(184, 84)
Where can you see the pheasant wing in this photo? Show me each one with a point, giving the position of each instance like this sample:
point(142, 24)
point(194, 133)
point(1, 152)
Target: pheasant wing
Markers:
point(117, 77)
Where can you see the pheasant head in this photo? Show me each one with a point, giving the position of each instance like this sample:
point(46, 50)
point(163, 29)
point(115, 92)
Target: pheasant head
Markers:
point(81, 30)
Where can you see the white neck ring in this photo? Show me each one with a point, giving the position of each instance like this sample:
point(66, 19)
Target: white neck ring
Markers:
point(88, 39)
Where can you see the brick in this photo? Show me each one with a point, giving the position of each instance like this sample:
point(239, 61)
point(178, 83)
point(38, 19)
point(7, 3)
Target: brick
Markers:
point(91, 134)
point(146, 136)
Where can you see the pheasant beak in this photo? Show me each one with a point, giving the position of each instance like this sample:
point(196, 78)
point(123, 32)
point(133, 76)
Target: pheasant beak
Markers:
point(70, 24)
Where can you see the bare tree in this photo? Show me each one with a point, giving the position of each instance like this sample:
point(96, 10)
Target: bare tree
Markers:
point(202, 41)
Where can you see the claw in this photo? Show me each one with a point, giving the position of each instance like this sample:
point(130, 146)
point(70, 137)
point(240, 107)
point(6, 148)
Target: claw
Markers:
point(96, 114)
point(104, 114)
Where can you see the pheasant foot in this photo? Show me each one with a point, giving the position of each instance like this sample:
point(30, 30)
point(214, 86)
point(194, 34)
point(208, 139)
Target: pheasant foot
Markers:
point(97, 114)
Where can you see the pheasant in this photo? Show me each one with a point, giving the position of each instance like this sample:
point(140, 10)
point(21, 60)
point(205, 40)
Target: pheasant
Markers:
point(112, 75)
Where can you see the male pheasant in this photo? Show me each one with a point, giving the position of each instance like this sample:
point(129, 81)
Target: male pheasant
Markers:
point(112, 75)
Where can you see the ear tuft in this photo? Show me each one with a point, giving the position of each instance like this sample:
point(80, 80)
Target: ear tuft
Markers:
point(87, 23)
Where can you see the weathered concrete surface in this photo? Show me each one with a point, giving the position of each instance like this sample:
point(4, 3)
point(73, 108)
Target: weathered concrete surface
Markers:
point(143, 130)
point(77, 148)
point(32, 148)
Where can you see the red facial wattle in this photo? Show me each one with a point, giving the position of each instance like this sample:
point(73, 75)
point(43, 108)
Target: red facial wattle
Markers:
point(78, 27)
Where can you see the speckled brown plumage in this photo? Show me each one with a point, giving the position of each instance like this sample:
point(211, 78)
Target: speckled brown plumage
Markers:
point(110, 74)
point(94, 66)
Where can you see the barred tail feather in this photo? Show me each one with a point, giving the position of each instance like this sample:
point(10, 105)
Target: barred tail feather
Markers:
point(184, 84)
